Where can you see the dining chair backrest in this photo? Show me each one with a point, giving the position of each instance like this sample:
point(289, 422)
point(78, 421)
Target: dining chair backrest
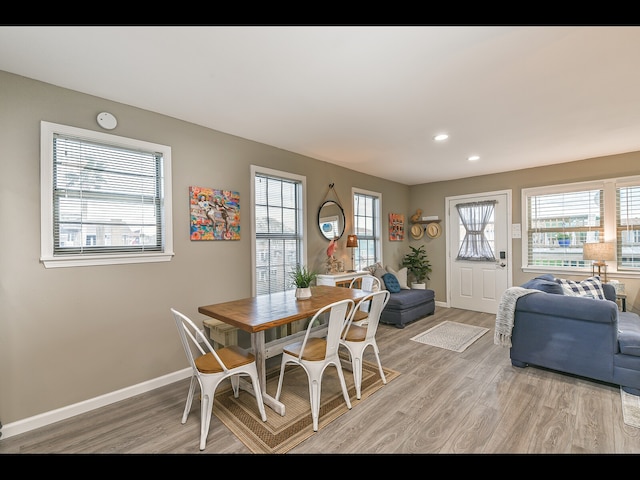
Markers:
point(314, 353)
point(357, 337)
point(368, 283)
point(377, 301)
point(336, 315)
point(194, 340)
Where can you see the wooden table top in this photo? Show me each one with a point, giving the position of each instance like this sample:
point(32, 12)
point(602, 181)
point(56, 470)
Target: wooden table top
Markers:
point(262, 312)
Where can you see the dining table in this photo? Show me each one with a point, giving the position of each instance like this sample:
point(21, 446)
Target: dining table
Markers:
point(260, 313)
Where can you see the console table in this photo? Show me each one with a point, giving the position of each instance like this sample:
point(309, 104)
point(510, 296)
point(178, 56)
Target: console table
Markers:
point(339, 279)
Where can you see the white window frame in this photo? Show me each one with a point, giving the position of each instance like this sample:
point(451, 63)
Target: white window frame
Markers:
point(608, 186)
point(302, 209)
point(47, 132)
point(377, 220)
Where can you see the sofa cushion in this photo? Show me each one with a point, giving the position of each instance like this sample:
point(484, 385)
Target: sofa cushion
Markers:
point(391, 282)
point(591, 287)
point(408, 299)
point(401, 275)
point(629, 334)
point(544, 285)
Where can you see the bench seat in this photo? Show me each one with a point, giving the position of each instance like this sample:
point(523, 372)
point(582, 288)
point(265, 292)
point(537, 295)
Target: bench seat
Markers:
point(407, 306)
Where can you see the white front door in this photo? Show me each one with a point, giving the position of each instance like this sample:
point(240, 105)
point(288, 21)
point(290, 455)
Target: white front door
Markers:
point(478, 285)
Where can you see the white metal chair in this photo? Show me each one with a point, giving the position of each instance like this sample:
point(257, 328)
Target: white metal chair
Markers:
point(368, 283)
point(315, 354)
point(210, 367)
point(356, 338)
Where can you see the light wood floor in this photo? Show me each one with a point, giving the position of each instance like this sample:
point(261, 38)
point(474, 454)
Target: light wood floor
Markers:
point(472, 402)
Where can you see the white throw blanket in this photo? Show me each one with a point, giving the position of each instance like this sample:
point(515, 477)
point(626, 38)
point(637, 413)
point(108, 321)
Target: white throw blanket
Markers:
point(506, 310)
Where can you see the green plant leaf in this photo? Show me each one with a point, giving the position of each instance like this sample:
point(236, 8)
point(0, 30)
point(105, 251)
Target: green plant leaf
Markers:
point(302, 277)
point(417, 263)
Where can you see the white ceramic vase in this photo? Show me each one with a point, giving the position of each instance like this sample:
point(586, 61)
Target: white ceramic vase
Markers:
point(303, 293)
point(419, 286)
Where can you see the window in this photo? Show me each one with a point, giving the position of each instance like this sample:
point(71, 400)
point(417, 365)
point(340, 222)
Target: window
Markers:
point(279, 226)
point(367, 227)
point(104, 199)
point(561, 219)
point(628, 225)
point(477, 222)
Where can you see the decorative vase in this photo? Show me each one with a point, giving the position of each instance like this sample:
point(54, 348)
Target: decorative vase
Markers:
point(303, 293)
point(419, 286)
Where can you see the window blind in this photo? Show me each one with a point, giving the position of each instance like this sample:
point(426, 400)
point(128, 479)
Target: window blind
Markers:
point(106, 198)
point(560, 223)
point(278, 227)
point(365, 214)
point(628, 226)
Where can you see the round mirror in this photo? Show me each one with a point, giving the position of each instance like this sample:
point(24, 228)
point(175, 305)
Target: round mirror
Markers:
point(331, 220)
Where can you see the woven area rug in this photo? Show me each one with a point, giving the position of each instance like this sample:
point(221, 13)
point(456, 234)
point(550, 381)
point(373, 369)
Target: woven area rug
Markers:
point(279, 434)
point(630, 409)
point(451, 335)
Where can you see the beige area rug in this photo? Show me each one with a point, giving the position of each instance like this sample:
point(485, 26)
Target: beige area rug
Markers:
point(279, 434)
point(630, 409)
point(451, 335)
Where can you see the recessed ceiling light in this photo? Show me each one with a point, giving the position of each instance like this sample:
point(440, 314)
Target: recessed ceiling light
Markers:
point(473, 158)
point(441, 137)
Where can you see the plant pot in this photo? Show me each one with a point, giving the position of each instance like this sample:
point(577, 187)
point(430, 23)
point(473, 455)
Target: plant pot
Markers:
point(303, 293)
point(418, 286)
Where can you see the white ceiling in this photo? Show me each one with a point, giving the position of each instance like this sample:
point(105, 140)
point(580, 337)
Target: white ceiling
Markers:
point(367, 98)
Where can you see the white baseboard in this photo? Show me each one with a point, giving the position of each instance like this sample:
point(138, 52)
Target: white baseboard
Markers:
point(43, 419)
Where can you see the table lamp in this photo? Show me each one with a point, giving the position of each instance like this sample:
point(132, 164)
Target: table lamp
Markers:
point(352, 242)
point(599, 252)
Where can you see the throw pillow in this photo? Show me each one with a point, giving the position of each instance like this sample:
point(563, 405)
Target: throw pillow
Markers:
point(401, 275)
point(591, 287)
point(372, 268)
point(379, 272)
point(547, 276)
point(544, 286)
point(391, 282)
point(570, 292)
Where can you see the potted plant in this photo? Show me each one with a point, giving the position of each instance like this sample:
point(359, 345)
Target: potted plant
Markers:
point(302, 278)
point(564, 239)
point(418, 266)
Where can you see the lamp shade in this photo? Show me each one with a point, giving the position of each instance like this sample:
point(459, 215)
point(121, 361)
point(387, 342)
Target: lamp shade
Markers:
point(352, 241)
point(598, 251)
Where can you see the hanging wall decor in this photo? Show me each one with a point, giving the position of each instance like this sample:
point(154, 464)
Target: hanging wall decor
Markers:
point(396, 227)
point(215, 214)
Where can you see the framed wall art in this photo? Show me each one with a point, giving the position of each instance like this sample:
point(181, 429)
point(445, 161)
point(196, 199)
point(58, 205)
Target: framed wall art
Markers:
point(396, 227)
point(215, 214)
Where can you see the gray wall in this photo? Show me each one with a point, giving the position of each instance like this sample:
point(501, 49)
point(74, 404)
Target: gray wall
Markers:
point(71, 334)
point(431, 200)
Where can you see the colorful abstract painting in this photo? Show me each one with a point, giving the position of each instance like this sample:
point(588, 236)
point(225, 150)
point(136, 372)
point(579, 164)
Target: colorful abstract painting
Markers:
point(396, 227)
point(215, 214)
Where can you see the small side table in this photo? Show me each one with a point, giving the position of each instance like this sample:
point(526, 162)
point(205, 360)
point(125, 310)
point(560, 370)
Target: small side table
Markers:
point(623, 300)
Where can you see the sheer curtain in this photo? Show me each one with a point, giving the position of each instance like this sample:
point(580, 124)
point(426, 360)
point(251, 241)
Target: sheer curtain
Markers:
point(474, 217)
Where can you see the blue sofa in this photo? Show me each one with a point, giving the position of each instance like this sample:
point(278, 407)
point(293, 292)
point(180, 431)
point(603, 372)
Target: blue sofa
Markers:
point(578, 335)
